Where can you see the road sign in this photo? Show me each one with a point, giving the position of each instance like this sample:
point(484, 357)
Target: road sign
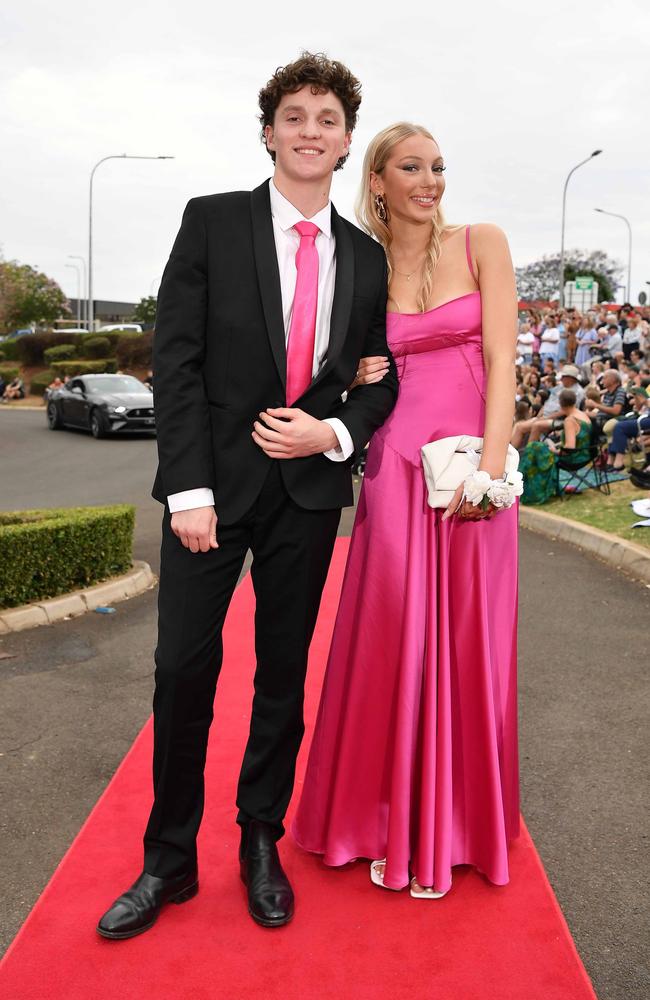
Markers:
point(584, 283)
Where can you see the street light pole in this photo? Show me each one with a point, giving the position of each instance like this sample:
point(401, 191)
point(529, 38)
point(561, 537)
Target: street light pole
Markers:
point(78, 270)
point(628, 290)
point(75, 256)
point(117, 156)
point(596, 152)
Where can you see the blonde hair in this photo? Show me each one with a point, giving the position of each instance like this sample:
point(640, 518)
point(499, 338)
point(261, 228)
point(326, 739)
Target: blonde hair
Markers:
point(377, 155)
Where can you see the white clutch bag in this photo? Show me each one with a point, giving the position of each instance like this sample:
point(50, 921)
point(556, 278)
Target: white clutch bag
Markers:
point(450, 460)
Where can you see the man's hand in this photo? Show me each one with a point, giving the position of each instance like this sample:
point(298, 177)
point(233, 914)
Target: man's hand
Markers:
point(287, 432)
point(196, 529)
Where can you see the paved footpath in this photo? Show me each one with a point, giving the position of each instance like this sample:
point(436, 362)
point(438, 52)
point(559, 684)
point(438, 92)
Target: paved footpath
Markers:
point(73, 696)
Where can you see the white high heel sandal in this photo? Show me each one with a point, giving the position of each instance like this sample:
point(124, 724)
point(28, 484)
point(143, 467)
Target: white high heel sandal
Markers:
point(423, 892)
point(416, 890)
point(377, 876)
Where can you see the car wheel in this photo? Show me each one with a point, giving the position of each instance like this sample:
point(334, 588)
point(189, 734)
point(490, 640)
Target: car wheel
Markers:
point(53, 417)
point(97, 425)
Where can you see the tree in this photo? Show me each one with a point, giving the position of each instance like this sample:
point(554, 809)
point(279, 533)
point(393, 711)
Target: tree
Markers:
point(540, 280)
point(28, 296)
point(145, 311)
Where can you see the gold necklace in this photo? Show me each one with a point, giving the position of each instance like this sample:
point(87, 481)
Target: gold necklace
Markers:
point(408, 277)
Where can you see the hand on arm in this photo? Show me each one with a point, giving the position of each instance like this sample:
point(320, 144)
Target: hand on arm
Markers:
point(288, 432)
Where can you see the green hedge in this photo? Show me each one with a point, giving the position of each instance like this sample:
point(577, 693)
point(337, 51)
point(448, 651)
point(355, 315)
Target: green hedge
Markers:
point(61, 352)
point(9, 371)
point(44, 553)
point(40, 383)
point(96, 347)
point(32, 346)
point(136, 351)
point(10, 349)
point(72, 368)
point(30, 349)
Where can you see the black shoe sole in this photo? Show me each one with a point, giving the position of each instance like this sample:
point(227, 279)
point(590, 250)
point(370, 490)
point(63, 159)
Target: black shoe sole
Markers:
point(182, 897)
point(264, 922)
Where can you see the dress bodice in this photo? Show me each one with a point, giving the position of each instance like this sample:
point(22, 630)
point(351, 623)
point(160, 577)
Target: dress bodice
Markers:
point(442, 383)
point(451, 324)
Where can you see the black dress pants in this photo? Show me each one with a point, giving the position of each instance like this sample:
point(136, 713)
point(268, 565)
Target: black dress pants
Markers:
point(292, 549)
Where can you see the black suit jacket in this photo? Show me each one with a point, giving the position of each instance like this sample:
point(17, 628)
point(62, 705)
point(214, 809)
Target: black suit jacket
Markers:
point(220, 356)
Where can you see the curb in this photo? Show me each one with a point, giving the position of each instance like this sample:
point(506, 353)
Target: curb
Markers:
point(622, 555)
point(17, 409)
point(55, 609)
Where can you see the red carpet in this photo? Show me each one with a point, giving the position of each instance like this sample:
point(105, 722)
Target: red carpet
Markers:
point(348, 939)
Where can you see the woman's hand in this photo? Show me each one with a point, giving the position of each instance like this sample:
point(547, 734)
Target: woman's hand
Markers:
point(465, 510)
point(370, 370)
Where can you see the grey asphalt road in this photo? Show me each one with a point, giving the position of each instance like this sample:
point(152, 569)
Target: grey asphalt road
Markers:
point(74, 695)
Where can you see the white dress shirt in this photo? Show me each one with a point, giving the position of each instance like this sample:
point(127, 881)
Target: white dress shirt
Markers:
point(287, 240)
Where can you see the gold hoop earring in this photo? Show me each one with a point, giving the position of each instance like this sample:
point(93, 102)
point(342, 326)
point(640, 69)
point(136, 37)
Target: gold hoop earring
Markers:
point(380, 207)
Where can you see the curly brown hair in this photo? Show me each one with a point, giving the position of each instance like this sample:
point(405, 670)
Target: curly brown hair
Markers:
point(324, 75)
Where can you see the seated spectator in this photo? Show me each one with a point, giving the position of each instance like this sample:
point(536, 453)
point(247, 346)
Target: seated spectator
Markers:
point(56, 383)
point(611, 406)
point(3, 386)
point(551, 410)
point(641, 477)
point(628, 428)
point(539, 458)
point(612, 342)
point(523, 412)
point(15, 389)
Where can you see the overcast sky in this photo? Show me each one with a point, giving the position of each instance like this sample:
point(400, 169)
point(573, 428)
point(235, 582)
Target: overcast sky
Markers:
point(515, 93)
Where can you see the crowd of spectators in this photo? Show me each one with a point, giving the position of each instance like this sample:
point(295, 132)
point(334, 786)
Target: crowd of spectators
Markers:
point(583, 393)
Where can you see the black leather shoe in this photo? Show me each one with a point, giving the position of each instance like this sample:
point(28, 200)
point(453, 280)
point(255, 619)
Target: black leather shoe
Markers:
point(270, 896)
point(138, 909)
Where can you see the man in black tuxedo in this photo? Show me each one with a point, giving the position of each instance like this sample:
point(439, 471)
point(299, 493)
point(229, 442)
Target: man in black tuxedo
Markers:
point(258, 285)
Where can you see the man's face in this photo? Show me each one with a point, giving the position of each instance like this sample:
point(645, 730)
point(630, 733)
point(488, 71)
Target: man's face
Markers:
point(568, 382)
point(308, 135)
point(610, 382)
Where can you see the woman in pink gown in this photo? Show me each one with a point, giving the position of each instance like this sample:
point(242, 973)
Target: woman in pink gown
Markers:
point(414, 756)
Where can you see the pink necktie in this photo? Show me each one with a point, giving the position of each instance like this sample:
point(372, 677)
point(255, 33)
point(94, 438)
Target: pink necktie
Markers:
point(302, 332)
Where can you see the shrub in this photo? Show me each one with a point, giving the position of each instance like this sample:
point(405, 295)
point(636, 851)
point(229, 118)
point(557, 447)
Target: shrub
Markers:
point(135, 352)
point(31, 347)
point(48, 552)
point(96, 347)
point(10, 349)
point(40, 382)
point(112, 337)
point(61, 352)
point(61, 368)
point(2, 355)
point(9, 371)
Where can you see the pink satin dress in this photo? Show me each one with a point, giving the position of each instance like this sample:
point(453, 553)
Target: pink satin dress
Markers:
point(414, 755)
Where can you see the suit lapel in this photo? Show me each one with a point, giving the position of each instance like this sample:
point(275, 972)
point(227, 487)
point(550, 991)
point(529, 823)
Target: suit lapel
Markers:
point(268, 275)
point(343, 292)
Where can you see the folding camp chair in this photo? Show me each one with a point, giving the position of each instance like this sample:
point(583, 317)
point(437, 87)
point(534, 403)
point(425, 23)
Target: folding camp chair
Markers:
point(589, 473)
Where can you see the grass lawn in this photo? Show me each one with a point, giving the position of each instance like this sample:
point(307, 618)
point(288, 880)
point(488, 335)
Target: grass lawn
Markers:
point(612, 513)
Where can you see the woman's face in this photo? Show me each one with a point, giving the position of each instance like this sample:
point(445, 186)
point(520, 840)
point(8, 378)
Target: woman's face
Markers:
point(412, 182)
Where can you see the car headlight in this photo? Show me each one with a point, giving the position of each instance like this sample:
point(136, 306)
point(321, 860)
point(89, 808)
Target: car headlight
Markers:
point(117, 409)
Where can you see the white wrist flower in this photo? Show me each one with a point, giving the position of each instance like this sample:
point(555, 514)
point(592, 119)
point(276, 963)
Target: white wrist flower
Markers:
point(476, 486)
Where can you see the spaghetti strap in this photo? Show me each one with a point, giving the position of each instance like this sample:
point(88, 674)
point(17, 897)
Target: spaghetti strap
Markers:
point(469, 254)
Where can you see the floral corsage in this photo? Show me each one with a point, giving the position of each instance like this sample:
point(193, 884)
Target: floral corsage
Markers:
point(481, 490)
